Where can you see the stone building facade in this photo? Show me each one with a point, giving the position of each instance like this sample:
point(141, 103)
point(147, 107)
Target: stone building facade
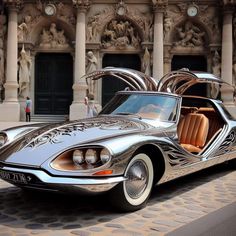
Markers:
point(47, 46)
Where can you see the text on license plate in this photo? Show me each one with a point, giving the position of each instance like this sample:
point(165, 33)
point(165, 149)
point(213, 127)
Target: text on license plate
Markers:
point(13, 177)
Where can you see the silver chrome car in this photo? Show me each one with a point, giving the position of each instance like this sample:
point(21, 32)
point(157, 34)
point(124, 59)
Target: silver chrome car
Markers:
point(147, 134)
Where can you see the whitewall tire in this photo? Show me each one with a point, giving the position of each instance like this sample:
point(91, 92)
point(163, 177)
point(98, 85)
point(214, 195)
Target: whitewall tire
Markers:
point(133, 193)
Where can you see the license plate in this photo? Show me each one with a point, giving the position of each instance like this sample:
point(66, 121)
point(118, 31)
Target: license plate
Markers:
point(13, 177)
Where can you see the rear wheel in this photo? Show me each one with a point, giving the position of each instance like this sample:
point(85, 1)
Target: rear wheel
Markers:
point(133, 193)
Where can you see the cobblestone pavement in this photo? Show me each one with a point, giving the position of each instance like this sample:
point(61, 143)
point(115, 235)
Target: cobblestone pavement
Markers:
point(171, 206)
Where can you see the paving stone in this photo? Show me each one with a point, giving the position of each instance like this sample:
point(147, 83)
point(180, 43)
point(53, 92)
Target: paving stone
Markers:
point(167, 222)
point(149, 215)
point(96, 229)
point(119, 226)
point(45, 220)
point(159, 229)
point(126, 232)
point(55, 225)
point(80, 233)
point(34, 226)
point(72, 226)
point(166, 210)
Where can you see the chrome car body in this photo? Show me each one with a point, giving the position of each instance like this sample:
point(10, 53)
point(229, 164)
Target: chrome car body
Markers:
point(131, 145)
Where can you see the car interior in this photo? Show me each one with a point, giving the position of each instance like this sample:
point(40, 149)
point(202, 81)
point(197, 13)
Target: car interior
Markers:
point(199, 124)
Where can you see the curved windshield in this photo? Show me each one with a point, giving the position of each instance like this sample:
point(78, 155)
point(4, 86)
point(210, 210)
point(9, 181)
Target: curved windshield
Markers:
point(146, 106)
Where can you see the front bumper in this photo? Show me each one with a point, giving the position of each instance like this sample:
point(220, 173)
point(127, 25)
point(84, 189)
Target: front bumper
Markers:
point(41, 180)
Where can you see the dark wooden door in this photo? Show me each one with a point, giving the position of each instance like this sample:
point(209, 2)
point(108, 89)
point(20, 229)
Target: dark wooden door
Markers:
point(111, 86)
point(53, 83)
point(194, 63)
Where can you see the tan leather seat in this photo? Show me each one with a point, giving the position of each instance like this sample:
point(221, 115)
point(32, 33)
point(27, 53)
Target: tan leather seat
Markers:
point(192, 131)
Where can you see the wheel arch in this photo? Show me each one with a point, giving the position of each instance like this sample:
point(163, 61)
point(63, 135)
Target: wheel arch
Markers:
point(156, 155)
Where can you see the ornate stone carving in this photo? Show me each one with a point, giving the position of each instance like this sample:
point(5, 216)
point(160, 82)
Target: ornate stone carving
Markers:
point(216, 64)
point(82, 4)
point(53, 38)
point(28, 17)
point(168, 21)
point(65, 13)
point(159, 5)
point(16, 4)
point(189, 35)
point(96, 24)
point(92, 28)
point(146, 64)
point(22, 32)
point(211, 20)
point(91, 65)
point(121, 8)
point(144, 20)
point(24, 73)
point(120, 34)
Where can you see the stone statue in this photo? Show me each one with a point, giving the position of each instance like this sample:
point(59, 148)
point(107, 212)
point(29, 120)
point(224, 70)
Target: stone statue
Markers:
point(216, 64)
point(147, 23)
point(24, 73)
point(45, 38)
point(22, 32)
point(190, 35)
point(216, 70)
point(91, 66)
point(146, 62)
point(167, 24)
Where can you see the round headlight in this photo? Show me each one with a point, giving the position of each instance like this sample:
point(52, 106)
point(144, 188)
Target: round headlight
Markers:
point(78, 157)
point(91, 156)
point(105, 156)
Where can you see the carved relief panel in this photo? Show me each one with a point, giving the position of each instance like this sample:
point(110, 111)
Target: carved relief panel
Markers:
point(203, 20)
point(120, 27)
point(52, 37)
point(32, 16)
point(120, 34)
point(189, 35)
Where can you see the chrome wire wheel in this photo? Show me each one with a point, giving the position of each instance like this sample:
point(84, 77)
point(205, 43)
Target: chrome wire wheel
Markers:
point(138, 185)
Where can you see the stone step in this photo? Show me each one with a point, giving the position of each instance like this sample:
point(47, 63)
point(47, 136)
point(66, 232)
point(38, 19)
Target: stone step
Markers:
point(48, 118)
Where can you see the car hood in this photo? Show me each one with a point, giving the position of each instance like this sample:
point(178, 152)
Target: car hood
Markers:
point(39, 145)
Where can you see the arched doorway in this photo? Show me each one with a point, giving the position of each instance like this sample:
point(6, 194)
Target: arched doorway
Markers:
point(110, 86)
point(53, 83)
point(194, 63)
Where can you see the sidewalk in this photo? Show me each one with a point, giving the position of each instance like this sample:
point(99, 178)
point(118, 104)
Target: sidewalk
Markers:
point(218, 223)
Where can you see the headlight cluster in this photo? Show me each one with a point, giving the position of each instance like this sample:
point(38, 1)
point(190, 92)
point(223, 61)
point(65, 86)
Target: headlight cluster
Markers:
point(81, 159)
point(91, 156)
point(3, 139)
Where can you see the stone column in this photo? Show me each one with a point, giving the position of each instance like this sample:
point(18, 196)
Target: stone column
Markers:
point(77, 108)
point(10, 108)
point(159, 7)
point(227, 57)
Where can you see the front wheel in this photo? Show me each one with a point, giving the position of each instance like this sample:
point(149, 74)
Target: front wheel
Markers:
point(133, 193)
